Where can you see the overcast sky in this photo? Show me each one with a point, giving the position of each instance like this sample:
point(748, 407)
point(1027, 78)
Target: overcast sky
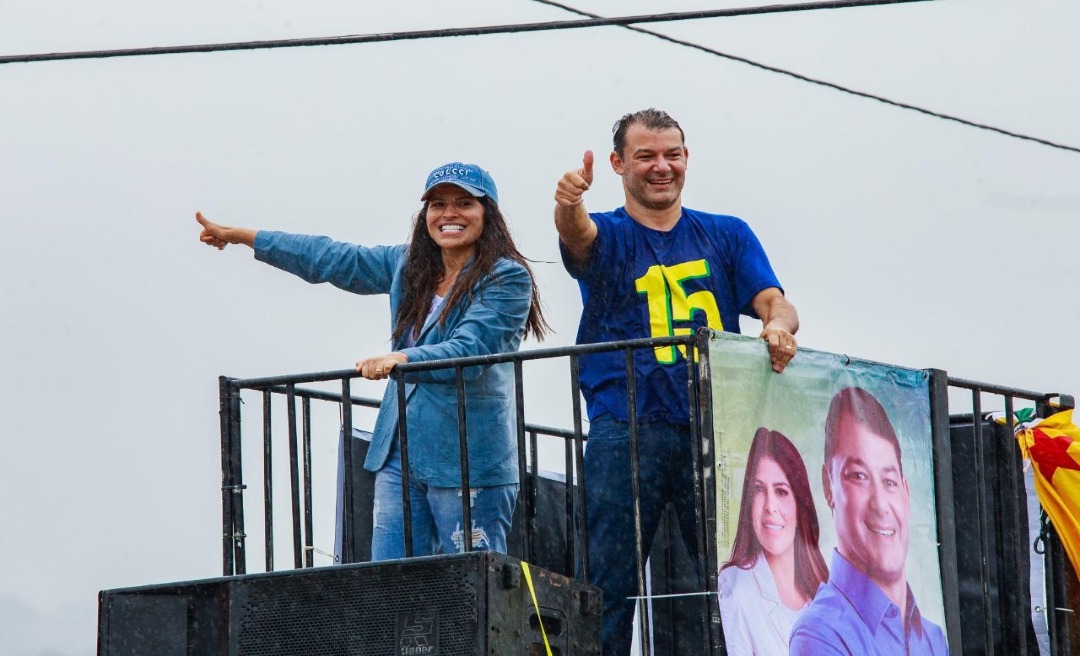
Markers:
point(900, 238)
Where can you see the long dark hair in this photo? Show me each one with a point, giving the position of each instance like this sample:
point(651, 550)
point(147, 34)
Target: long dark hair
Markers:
point(810, 568)
point(424, 269)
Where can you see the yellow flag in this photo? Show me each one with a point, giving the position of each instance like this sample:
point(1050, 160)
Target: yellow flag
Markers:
point(1053, 446)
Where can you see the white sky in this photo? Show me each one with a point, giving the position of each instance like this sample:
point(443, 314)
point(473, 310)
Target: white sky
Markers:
point(900, 238)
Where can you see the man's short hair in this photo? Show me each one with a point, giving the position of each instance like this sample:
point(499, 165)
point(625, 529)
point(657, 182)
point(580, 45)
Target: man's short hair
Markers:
point(652, 119)
point(866, 411)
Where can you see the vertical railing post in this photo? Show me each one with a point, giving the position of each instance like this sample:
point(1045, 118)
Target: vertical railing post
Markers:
point(348, 554)
point(232, 484)
point(268, 482)
point(309, 544)
point(635, 476)
point(1057, 613)
point(526, 509)
point(702, 435)
point(1057, 569)
point(294, 475)
point(998, 521)
point(695, 480)
point(1014, 558)
point(403, 446)
point(463, 448)
point(227, 521)
point(569, 500)
point(983, 497)
point(575, 479)
point(946, 510)
point(533, 499)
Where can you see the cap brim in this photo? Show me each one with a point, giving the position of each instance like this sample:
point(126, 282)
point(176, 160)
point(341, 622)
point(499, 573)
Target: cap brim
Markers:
point(475, 191)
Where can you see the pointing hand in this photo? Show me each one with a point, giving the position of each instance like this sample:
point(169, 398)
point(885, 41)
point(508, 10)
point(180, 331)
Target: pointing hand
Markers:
point(220, 236)
point(212, 234)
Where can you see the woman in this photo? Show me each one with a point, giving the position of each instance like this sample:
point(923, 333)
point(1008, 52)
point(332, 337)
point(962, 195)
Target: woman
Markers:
point(458, 288)
point(775, 566)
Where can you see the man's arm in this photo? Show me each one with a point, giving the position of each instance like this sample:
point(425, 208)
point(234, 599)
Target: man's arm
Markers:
point(577, 231)
point(780, 322)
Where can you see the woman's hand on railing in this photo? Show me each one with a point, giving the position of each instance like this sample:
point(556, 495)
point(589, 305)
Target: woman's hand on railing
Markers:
point(380, 366)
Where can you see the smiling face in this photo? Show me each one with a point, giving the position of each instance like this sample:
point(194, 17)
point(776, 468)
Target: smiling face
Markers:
point(652, 166)
point(773, 509)
point(865, 486)
point(455, 219)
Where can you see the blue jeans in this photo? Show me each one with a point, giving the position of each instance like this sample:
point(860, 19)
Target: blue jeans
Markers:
point(665, 471)
point(436, 515)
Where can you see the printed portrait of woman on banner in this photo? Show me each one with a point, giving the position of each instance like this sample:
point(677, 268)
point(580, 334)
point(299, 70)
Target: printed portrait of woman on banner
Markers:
point(775, 566)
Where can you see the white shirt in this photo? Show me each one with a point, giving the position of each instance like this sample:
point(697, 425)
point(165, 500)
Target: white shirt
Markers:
point(754, 620)
point(410, 339)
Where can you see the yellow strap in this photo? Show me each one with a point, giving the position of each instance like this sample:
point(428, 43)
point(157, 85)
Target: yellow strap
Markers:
point(536, 605)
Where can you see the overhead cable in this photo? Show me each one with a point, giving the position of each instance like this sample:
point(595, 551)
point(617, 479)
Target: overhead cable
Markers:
point(825, 83)
point(597, 21)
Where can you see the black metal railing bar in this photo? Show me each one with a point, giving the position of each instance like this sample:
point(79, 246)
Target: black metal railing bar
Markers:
point(1000, 490)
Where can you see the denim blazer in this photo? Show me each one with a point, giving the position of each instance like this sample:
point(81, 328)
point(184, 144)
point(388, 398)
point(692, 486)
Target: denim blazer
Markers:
point(490, 320)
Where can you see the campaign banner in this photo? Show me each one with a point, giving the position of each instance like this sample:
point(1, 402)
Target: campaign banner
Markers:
point(826, 529)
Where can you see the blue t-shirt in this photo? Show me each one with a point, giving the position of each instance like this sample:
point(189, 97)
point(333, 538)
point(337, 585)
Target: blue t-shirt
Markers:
point(642, 282)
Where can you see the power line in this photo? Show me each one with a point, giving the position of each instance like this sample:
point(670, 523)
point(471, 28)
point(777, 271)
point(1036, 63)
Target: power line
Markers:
point(825, 83)
point(594, 21)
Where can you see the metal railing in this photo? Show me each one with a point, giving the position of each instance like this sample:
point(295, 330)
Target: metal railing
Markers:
point(999, 618)
point(999, 622)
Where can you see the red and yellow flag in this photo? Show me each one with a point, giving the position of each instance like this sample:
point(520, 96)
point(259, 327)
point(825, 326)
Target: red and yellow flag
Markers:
point(1053, 446)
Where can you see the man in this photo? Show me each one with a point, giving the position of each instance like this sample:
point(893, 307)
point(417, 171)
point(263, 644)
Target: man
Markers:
point(866, 607)
point(650, 269)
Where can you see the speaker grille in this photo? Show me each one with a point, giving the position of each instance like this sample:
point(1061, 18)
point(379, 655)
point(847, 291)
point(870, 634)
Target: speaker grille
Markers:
point(353, 612)
point(473, 604)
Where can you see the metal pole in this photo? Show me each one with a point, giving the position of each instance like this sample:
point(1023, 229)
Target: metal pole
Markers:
point(309, 554)
point(236, 496)
point(268, 483)
point(228, 522)
point(643, 606)
point(1017, 602)
point(294, 477)
point(701, 434)
point(463, 448)
point(532, 498)
point(945, 503)
point(348, 554)
point(575, 476)
point(527, 509)
point(403, 447)
point(984, 536)
point(1057, 568)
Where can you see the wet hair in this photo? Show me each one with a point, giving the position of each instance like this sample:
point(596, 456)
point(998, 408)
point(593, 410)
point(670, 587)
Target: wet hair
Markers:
point(424, 269)
point(810, 567)
point(866, 411)
point(652, 119)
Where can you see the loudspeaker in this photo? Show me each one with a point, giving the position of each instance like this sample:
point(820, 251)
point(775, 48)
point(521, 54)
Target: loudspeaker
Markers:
point(676, 620)
point(469, 604)
point(1008, 587)
point(549, 495)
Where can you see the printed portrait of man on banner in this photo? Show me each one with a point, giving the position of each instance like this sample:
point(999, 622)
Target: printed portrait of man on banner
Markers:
point(827, 533)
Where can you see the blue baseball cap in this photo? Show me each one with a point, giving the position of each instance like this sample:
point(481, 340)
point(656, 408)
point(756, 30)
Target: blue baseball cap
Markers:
point(469, 177)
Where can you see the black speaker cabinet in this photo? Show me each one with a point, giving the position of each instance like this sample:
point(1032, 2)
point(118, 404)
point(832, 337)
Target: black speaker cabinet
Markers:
point(457, 605)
